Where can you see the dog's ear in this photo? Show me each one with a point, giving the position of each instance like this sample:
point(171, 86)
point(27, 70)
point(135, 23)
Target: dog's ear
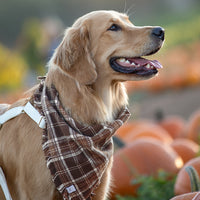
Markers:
point(73, 55)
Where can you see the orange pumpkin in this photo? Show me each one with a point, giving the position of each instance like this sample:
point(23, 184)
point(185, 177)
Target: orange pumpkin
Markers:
point(193, 127)
point(128, 128)
point(143, 156)
point(188, 196)
point(187, 149)
point(174, 125)
point(149, 130)
point(182, 184)
point(125, 129)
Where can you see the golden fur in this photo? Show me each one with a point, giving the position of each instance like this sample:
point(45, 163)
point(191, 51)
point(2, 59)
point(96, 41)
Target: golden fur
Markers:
point(87, 86)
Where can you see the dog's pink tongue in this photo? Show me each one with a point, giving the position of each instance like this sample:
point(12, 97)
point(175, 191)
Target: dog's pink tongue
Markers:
point(143, 62)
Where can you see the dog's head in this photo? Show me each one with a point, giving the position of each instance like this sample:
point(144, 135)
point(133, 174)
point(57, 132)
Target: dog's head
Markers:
point(105, 44)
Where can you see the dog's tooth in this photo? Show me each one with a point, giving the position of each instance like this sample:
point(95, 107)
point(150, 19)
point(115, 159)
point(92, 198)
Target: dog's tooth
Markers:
point(148, 66)
point(122, 60)
point(127, 62)
point(152, 66)
point(133, 64)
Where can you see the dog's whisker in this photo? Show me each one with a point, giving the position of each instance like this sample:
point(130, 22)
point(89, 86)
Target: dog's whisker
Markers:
point(129, 10)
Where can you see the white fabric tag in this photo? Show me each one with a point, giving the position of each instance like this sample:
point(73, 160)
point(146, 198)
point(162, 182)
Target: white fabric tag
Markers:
point(71, 189)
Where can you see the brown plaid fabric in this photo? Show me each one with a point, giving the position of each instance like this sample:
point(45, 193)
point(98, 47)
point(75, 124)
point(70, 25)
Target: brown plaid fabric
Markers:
point(77, 155)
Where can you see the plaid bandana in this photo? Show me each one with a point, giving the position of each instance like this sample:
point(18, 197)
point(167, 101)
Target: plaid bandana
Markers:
point(76, 155)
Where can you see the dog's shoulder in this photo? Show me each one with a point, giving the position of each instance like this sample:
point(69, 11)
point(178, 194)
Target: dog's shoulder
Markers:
point(27, 96)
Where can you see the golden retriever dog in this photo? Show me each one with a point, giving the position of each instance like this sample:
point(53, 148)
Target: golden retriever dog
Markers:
point(98, 53)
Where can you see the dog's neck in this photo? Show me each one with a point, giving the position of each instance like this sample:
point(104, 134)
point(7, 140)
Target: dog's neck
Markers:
point(97, 103)
point(112, 94)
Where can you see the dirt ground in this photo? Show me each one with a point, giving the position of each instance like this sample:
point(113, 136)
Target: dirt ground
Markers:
point(172, 102)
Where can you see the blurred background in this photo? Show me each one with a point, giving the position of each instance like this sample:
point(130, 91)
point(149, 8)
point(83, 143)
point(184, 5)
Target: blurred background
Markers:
point(31, 29)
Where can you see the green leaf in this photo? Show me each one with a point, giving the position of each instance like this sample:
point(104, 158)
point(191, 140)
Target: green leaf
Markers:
point(159, 187)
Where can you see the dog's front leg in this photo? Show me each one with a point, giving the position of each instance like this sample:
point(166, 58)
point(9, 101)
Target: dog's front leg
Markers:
point(101, 193)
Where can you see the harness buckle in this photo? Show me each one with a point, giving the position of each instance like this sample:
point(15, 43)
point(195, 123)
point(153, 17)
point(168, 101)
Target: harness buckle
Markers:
point(42, 123)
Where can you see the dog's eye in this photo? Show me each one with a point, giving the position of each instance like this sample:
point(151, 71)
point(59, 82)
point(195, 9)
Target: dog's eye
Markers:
point(115, 27)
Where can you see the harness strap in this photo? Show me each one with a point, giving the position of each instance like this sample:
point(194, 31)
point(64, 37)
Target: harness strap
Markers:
point(28, 109)
point(10, 114)
point(4, 185)
point(35, 115)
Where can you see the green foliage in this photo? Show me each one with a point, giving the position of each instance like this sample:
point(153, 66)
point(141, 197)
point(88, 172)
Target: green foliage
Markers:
point(31, 45)
point(160, 187)
point(12, 68)
point(125, 198)
point(183, 32)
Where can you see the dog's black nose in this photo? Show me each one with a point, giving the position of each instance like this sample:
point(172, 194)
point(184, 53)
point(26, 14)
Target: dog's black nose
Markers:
point(159, 32)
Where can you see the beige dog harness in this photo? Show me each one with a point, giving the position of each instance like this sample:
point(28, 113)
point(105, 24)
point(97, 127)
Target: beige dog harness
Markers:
point(28, 109)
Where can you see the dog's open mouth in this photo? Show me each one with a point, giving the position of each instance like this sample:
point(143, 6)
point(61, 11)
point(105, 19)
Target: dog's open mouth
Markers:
point(138, 66)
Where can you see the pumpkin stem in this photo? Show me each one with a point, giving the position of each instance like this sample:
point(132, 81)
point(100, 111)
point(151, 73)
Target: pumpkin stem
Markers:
point(118, 142)
point(130, 166)
point(194, 178)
